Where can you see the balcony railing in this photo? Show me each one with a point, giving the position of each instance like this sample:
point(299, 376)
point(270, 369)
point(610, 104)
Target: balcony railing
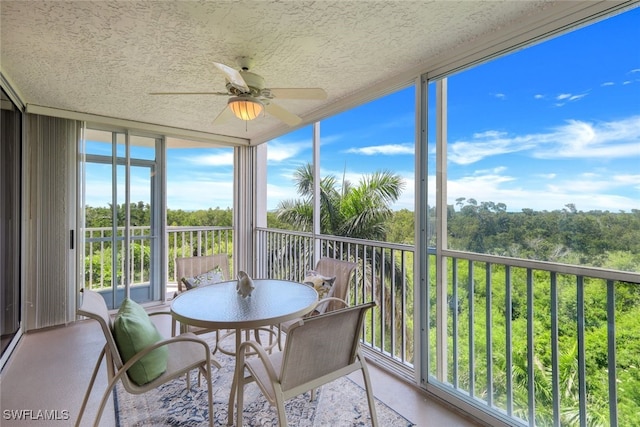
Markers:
point(488, 341)
point(384, 274)
point(181, 242)
point(99, 260)
point(196, 241)
point(488, 345)
point(553, 366)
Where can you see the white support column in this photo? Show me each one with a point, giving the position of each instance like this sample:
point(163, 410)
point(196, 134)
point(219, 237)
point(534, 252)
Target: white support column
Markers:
point(421, 250)
point(159, 203)
point(261, 185)
point(259, 254)
point(244, 208)
point(127, 217)
point(441, 224)
point(316, 191)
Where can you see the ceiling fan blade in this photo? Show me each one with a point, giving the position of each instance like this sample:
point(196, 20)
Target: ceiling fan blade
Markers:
point(234, 76)
point(298, 93)
point(190, 93)
point(282, 114)
point(224, 116)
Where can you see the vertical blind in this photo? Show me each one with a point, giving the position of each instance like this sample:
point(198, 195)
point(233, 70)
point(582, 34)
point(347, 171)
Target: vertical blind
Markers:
point(50, 147)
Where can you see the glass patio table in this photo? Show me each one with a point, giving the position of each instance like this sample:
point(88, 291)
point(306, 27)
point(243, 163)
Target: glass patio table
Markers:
point(219, 306)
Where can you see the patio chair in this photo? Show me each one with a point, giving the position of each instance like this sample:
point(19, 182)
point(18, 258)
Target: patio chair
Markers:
point(210, 269)
point(318, 350)
point(337, 297)
point(193, 267)
point(182, 354)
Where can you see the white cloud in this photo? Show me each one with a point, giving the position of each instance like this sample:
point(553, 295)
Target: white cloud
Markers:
point(607, 84)
point(467, 152)
point(586, 192)
point(278, 151)
point(538, 96)
point(98, 192)
point(98, 188)
point(217, 159)
point(407, 198)
point(546, 175)
point(575, 139)
point(386, 149)
point(489, 134)
point(578, 139)
point(331, 139)
point(569, 97)
point(628, 180)
point(277, 193)
point(496, 170)
point(193, 194)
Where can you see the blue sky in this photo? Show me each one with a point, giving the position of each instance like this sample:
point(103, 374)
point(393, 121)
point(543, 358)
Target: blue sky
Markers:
point(552, 124)
point(561, 123)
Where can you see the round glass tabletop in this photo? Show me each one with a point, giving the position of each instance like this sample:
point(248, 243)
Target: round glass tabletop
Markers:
point(220, 306)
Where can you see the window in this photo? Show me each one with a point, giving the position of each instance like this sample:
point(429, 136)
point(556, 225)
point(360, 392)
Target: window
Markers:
point(10, 219)
point(542, 165)
point(543, 150)
point(122, 216)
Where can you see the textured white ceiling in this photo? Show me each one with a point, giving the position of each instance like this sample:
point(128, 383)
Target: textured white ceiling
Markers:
point(104, 57)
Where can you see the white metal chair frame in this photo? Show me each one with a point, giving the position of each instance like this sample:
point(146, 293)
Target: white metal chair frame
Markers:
point(186, 352)
point(328, 267)
point(191, 267)
point(318, 350)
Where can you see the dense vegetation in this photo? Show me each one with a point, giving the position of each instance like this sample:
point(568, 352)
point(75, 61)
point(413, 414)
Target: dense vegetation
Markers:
point(596, 238)
point(140, 214)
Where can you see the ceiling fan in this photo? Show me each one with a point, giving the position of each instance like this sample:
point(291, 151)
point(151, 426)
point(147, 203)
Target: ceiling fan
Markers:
point(248, 96)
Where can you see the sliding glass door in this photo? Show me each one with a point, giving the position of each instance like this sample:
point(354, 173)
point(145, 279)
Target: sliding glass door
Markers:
point(122, 212)
point(10, 224)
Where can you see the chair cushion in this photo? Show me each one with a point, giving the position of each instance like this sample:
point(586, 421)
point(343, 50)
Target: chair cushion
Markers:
point(204, 279)
point(322, 284)
point(134, 331)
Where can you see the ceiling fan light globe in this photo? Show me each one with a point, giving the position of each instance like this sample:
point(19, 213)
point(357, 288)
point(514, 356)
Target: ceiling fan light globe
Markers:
point(245, 108)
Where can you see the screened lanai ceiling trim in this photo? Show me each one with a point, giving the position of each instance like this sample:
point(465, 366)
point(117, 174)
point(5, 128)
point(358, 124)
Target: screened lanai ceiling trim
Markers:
point(138, 126)
point(8, 88)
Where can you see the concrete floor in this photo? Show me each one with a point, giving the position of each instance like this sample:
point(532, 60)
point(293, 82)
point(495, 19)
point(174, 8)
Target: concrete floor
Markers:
point(50, 370)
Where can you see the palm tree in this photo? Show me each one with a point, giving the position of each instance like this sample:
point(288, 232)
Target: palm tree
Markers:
point(358, 212)
point(361, 211)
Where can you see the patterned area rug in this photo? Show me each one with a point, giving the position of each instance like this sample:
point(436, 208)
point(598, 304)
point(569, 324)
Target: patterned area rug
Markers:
point(339, 403)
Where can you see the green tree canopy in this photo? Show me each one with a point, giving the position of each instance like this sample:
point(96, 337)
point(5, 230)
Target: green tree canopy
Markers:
point(360, 211)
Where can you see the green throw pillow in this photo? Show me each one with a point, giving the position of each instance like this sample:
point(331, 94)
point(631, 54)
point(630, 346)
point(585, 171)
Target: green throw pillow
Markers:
point(134, 331)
